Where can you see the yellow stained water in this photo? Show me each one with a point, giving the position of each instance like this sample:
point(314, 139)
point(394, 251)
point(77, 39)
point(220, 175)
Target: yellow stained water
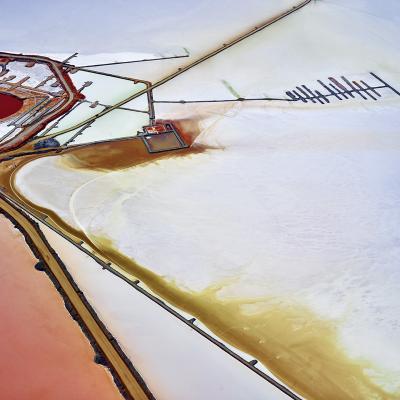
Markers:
point(300, 348)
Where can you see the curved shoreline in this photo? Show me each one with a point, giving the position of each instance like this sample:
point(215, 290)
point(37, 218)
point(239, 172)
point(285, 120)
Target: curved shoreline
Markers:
point(127, 379)
point(129, 270)
point(124, 270)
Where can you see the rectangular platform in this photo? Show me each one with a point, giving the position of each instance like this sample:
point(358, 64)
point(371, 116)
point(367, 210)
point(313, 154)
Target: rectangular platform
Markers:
point(162, 137)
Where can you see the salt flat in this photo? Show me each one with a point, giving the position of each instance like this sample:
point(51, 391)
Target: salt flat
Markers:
point(285, 229)
point(305, 218)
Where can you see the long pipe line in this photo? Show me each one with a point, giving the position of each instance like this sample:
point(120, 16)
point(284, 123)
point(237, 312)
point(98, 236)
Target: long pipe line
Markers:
point(121, 365)
point(135, 284)
point(181, 70)
point(126, 62)
point(319, 96)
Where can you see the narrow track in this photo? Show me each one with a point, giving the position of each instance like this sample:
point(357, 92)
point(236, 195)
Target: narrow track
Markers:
point(135, 284)
point(183, 69)
point(118, 362)
point(129, 378)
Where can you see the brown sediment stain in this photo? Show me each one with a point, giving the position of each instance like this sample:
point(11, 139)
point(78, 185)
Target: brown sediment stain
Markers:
point(116, 156)
point(300, 348)
point(104, 157)
point(188, 128)
point(126, 153)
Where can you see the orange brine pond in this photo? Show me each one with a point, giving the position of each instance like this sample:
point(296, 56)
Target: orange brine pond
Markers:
point(9, 105)
point(43, 352)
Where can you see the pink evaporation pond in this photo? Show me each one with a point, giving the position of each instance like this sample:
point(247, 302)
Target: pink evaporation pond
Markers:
point(9, 105)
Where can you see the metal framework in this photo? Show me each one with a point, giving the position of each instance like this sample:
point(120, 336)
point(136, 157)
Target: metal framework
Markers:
point(340, 89)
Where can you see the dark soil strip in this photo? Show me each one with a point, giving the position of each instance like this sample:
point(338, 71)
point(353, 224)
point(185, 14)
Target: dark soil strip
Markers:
point(100, 357)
